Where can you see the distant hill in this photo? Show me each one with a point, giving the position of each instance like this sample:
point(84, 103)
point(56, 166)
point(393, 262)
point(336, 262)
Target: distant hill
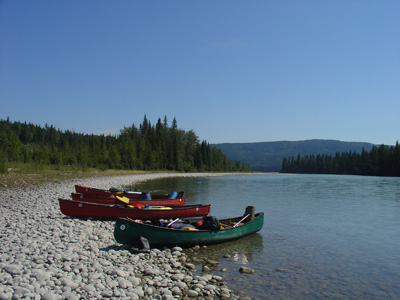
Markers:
point(268, 156)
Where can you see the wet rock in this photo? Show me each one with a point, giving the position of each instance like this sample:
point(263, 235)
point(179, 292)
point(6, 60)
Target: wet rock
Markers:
point(246, 270)
point(281, 270)
point(211, 262)
point(206, 269)
point(190, 266)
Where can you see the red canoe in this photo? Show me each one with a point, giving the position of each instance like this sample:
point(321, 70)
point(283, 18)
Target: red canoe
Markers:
point(74, 208)
point(114, 200)
point(131, 195)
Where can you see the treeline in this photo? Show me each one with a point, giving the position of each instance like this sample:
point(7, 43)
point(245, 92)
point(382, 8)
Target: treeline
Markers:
point(380, 161)
point(268, 156)
point(147, 147)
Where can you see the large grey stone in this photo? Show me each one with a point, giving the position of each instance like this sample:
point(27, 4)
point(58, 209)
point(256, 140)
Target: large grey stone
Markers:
point(13, 269)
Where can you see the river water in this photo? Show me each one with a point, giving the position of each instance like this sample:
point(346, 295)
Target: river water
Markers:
point(324, 236)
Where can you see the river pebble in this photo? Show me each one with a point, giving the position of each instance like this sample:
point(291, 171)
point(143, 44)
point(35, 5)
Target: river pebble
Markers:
point(46, 255)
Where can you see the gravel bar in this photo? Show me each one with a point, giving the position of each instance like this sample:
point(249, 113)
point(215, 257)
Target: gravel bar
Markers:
point(46, 255)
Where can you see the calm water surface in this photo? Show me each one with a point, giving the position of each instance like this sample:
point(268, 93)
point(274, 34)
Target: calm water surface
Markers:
point(324, 237)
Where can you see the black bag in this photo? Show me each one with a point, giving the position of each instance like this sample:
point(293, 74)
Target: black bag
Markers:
point(210, 223)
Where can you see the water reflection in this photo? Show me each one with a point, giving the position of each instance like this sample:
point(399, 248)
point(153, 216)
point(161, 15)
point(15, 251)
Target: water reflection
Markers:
point(228, 256)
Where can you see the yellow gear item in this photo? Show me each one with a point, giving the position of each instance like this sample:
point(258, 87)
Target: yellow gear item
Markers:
point(189, 228)
point(123, 199)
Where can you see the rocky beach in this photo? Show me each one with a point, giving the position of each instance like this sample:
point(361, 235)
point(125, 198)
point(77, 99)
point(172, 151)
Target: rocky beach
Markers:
point(46, 255)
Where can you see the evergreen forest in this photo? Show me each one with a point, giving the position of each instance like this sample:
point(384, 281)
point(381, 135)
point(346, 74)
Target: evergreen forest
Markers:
point(381, 160)
point(268, 156)
point(147, 147)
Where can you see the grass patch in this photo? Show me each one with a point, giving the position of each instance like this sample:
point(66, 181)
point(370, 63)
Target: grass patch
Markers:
point(20, 174)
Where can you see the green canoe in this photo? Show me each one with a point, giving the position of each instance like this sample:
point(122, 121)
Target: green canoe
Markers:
point(130, 232)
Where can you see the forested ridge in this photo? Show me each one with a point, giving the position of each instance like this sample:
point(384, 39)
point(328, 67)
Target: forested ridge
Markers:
point(381, 160)
point(268, 156)
point(147, 147)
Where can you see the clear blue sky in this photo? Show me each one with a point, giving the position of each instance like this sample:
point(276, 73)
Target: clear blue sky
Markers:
point(232, 71)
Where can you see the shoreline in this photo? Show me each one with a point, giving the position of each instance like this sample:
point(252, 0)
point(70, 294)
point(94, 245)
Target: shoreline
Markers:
point(46, 255)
